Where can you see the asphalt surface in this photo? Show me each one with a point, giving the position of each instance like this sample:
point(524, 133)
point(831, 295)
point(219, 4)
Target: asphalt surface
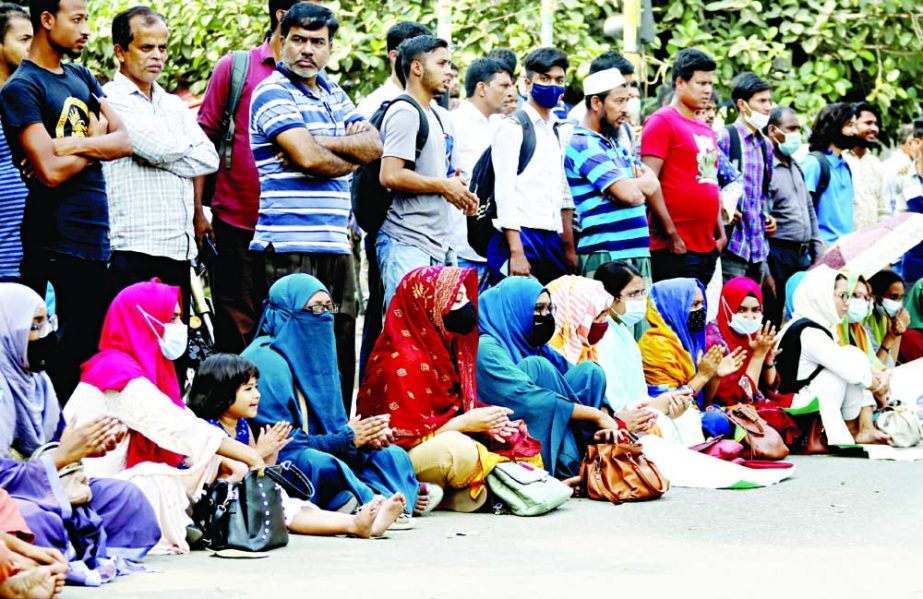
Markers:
point(841, 528)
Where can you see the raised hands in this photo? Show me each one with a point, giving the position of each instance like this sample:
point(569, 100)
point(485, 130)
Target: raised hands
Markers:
point(374, 431)
point(90, 440)
point(762, 342)
point(732, 362)
point(272, 439)
point(492, 420)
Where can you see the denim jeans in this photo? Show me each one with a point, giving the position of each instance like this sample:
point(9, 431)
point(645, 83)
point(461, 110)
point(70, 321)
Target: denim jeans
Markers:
point(396, 259)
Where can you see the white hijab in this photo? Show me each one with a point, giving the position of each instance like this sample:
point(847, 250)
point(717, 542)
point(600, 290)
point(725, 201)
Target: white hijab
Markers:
point(814, 299)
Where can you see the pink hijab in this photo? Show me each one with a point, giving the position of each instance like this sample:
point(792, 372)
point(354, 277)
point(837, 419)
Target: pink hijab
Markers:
point(129, 349)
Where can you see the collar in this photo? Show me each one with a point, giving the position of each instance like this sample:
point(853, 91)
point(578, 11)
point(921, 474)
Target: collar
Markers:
point(131, 87)
point(745, 131)
point(264, 53)
point(581, 130)
point(537, 118)
point(321, 81)
point(471, 110)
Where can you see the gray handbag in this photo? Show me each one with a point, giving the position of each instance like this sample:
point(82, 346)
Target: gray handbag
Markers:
point(901, 423)
point(528, 491)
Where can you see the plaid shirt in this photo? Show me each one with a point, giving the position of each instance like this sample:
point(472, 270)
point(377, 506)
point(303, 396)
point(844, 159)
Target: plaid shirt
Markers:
point(748, 239)
point(151, 193)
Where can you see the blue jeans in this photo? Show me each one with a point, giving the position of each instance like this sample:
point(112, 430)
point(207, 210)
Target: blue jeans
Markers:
point(396, 259)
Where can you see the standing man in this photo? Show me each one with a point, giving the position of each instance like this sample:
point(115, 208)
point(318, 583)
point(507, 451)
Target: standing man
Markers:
point(305, 201)
point(901, 163)
point(15, 38)
point(826, 172)
point(59, 129)
point(751, 154)
point(870, 203)
point(530, 211)
point(152, 198)
point(392, 87)
point(796, 243)
point(236, 281)
point(687, 235)
point(415, 231)
point(488, 86)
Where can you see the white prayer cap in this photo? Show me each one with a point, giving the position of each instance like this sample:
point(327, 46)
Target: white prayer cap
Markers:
point(602, 82)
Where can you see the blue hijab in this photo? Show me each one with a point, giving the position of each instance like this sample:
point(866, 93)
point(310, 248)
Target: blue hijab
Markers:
point(507, 312)
point(673, 299)
point(307, 343)
point(790, 287)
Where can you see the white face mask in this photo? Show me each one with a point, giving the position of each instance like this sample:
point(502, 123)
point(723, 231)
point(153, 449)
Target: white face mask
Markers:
point(858, 310)
point(633, 107)
point(891, 307)
point(175, 336)
point(745, 326)
point(634, 312)
point(757, 120)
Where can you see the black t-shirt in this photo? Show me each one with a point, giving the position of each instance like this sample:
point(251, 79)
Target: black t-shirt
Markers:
point(72, 218)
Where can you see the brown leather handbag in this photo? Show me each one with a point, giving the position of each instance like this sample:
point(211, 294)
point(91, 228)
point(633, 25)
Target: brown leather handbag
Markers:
point(762, 442)
point(620, 472)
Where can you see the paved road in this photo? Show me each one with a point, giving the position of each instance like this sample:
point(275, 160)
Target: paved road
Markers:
point(841, 528)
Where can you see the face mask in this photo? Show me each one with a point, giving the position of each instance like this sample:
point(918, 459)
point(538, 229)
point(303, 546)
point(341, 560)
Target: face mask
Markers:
point(461, 320)
point(858, 310)
point(791, 144)
point(757, 120)
point(634, 312)
point(40, 352)
point(547, 96)
point(891, 307)
point(742, 325)
point(633, 107)
point(696, 321)
point(597, 332)
point(175, 336)
point(542, 330)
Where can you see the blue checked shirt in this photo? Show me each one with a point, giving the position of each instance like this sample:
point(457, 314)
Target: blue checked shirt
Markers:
point(748, 239)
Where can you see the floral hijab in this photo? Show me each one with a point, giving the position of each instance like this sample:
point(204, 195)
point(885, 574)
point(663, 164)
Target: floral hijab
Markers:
point(578, 301)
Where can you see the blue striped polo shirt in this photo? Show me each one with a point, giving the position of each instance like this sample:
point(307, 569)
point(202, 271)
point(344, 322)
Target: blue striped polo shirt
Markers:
point(299, 212)
point(13, 194)
point(592, 163)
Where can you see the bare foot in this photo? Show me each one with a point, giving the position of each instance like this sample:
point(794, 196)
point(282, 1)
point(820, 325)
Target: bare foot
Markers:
point(574, 483)
point(37, 583)
point(872, 436)
point(389, 511)
point(365, 518)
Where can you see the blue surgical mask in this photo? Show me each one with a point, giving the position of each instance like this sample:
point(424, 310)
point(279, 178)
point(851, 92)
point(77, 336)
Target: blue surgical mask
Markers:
point(742, 325)
point(547, 96)
point(858, 310)
point(635, 310)
point(791, 144)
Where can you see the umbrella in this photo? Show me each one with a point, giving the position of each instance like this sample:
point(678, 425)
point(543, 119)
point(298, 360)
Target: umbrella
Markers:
point(877, 247)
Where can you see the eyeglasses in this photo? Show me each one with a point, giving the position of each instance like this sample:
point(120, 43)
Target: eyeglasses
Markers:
point(843, 297)
point(49, 325)
point(634, 295)
point(545, 309)
point(319, 309)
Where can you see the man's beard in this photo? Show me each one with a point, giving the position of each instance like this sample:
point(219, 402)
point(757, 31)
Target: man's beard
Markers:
point(867, 144)
point(608, 130)
point(72, 53)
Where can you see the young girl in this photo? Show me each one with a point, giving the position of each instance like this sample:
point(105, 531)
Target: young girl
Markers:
point(224, 393)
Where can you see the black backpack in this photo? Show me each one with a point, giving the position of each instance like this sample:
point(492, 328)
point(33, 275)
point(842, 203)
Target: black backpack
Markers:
point(787, 362)
point(224, 139)
point(481, 226)
point(370, 200)
point(823, 181)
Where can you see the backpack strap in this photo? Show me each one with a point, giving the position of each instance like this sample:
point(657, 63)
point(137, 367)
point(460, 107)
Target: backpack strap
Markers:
point(527, 148)
point(735, 152)
point(423, 129)
point(823, 180)
point(240, 67)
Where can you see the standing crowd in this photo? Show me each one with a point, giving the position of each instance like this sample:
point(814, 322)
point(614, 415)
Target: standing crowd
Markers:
point(533, 278)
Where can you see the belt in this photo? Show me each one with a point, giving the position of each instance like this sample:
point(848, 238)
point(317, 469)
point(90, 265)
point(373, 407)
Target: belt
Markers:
point(802, 247)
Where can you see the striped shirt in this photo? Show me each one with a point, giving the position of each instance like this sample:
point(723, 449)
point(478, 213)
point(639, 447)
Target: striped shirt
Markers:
point(592, 163)
point(299, 212)
point(13, 194)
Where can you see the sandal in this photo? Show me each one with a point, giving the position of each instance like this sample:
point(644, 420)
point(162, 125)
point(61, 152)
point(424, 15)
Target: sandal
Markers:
point(403, 522)
point(433, 494)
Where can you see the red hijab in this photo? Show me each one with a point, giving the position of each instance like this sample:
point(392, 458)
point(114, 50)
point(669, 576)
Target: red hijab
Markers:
point(733, 294)
point(129, 349)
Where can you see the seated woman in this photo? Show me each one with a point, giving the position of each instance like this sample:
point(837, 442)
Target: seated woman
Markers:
point(674, 356)
point(29, 417)
point(838, 379)
point(169, 453)
point(560, 403)
point(739, 325)
point(422, 374)
point(224, 393)
point(855, 331)
point(912, 342)
point(581, 308)
point(889, 319)
point(26, 571)
point(348, 460)
point(620, 357)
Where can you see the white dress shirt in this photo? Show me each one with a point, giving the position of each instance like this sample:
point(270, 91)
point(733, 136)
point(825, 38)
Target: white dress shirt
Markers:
point(473, 133)
point(151, 193)
point(534, 198)
point(385, 93)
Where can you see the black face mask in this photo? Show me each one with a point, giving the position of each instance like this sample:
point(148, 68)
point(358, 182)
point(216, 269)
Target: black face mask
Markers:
point(696, 321)
point(542, 330)
point(461, 320)
point(40, 352)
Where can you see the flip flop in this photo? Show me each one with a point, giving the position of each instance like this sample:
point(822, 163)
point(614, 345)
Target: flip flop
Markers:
point(403, 522)
point(433, 494)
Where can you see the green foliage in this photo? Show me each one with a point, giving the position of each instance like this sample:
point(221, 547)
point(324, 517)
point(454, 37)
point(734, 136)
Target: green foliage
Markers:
point(813, 52)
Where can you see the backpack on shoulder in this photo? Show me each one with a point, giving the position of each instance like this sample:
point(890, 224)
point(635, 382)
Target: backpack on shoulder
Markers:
point(370, 200)
point(224, 140)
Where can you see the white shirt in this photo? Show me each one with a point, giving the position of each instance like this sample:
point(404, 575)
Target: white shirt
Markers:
point(385, 93)
point(151, 204)
point(473, 133)
point(896, 167)
point(534, 198)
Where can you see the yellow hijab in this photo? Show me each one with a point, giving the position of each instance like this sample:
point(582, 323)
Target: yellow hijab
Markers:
point(665, 360)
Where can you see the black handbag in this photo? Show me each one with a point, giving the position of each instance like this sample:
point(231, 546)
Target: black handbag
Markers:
point(292, 480)
point(245, 515)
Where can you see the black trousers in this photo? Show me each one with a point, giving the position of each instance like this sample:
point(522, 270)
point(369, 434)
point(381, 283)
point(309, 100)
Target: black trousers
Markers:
point(81, 300)
point(375, 309)
point(694, 265)
point(785, 259)
point(237, 287)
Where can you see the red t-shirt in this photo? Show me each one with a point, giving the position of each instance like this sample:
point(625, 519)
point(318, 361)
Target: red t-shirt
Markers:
point(237, 190)
point(689, 176)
